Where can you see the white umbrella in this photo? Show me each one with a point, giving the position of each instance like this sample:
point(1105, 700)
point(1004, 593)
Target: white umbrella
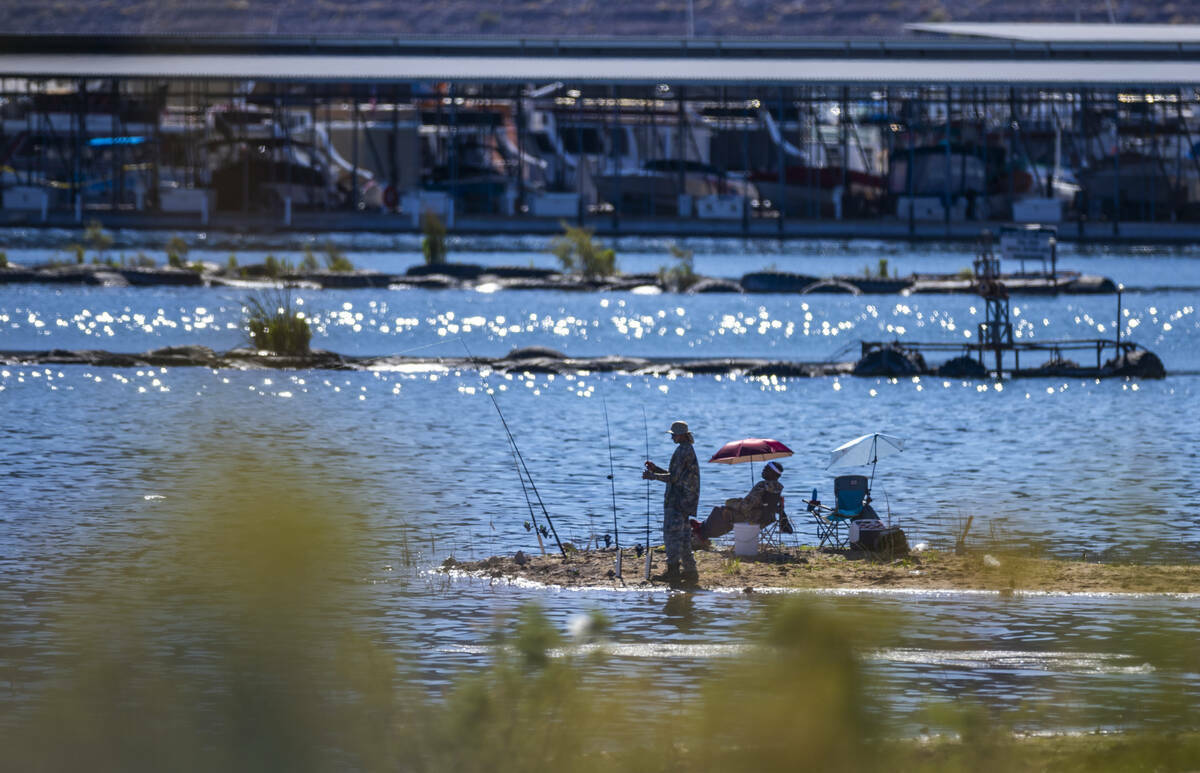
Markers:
point(865, 450)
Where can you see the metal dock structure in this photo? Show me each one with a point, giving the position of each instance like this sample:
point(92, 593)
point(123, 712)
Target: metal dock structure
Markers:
point(923, 137)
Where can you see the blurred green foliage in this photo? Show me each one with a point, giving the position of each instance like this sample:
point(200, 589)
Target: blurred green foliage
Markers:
point(241, 640)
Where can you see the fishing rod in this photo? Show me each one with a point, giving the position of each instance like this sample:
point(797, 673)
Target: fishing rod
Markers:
point(613, 482)
point(524, 490)
point(646, 432)
point(516, 450)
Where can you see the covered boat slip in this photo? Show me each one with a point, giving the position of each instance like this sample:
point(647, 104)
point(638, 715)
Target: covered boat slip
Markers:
point(724, 136)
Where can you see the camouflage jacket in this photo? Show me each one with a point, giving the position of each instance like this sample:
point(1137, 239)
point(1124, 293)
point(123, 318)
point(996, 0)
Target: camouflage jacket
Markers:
point(683, 481)
point(754, 499)
point(750, 508)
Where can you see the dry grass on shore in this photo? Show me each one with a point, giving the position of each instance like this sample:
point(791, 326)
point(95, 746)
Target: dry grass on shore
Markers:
point(807, 567)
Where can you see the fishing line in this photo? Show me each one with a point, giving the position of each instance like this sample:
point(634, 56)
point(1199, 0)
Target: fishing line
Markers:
point(516, 449)
point(646, 432)
point(613, 481)
point(528, 503)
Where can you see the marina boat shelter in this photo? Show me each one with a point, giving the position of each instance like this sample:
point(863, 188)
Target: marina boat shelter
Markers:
point(1093, 127)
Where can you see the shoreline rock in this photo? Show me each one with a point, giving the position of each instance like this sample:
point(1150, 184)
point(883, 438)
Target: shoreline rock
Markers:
point(469, 275)
point(884, 363)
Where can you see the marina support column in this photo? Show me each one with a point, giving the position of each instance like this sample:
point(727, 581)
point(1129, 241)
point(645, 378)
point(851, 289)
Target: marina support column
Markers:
point(580, 157)
point(845, 140)
point(680, 148)
point(353, 150)
point(1085, 193)
point(520, 96)
point(79, 125)
point(745, 168)
point(949, 164)
point(1116, 209)
point(453, 151)
point(912, 160)
point(781, 194)
point(615, 155)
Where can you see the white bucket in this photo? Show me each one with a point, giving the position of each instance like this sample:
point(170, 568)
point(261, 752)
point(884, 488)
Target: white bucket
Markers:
point(745, 539)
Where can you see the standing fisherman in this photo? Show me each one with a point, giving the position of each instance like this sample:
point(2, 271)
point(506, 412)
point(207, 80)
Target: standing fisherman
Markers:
point(679, 504)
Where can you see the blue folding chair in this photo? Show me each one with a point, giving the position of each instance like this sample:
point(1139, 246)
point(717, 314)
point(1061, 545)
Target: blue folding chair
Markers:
point(852, 497)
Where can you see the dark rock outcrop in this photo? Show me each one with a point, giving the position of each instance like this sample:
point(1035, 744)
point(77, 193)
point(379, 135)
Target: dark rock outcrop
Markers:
point(520, 272)
point(776, 282)
point(891, 362)
point(165, 276)
point(962, 367)
point(182, 356)
point(351, 279)
point(456, 270)
point(1139, 363)
point(534, 352)
point(784, 369)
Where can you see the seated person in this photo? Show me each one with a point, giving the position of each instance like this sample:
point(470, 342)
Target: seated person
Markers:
point(748, 509)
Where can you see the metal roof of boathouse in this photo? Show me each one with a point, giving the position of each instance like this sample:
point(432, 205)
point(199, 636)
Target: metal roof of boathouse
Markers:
point(1120, 61)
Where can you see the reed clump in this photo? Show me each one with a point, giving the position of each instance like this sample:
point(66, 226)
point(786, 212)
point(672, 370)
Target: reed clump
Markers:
point(682, 276)
point(276, 324)
point(580, 253)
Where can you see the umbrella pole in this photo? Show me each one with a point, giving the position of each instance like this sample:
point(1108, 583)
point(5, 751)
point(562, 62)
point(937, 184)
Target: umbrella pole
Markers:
point(874, 459)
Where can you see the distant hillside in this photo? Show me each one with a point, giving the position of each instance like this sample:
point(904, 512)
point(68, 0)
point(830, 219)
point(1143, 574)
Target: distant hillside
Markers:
point(726, 18)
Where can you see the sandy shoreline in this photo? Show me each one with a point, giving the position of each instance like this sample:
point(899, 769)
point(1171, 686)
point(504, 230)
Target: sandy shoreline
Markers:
point(809, 569)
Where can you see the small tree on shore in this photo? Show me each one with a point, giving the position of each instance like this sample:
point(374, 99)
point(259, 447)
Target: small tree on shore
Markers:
point(580, 253)
point(680, 277)
point(434, 243)
point(97, 238)
point(177, 251)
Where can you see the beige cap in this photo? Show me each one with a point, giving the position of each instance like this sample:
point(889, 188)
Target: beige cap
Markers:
point(679, 428)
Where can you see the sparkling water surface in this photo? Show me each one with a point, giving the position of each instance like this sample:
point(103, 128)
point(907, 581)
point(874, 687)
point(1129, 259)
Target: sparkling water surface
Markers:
point(92, 458)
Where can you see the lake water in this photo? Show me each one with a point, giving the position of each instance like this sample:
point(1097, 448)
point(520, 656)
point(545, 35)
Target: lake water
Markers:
point(92, 460)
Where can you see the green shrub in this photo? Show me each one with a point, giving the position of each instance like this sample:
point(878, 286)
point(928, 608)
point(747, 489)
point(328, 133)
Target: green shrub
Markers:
point(336, 260)
point(680, 277)
point(881, 270)
point(177, 250)
point(579, 253)
point(309, 263)
point(97, 238)
point(3, 259)
point(231, 265)
point(275, 324)
point(78, 251)
point(275, 268)
point(434, 243)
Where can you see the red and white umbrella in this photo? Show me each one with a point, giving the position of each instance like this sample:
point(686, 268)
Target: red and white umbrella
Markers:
point(751, 449)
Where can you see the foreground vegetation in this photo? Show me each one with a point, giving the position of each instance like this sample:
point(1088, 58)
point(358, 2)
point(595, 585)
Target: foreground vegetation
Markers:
point(244, 638)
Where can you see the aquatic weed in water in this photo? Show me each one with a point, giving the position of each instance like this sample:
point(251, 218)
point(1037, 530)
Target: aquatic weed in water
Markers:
point(275, 325)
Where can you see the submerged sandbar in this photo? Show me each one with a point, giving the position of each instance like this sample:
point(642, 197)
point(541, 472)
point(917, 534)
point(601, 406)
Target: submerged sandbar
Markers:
point(809, 568)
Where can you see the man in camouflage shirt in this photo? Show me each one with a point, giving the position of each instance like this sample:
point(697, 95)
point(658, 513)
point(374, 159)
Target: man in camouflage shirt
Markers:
point(679, 504)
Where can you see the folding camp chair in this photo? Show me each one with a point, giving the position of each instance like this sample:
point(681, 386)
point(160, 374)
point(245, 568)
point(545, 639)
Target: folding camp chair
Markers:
point(773, 533)
point(851, 494)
